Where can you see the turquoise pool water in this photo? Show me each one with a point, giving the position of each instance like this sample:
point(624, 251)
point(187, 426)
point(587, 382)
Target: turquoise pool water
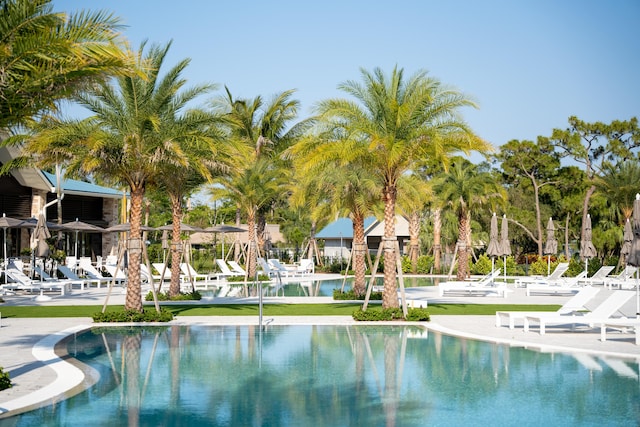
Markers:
point(334, 376)
point(319, 288)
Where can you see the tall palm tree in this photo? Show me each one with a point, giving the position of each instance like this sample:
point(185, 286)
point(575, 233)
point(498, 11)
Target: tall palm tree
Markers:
point(266, 130)
point(47, 56)
point(336, 191)
point(123, 142)
point(414, 195)
point(203, 153)
point(393, 124)
point(252, 183)
point(466, 189)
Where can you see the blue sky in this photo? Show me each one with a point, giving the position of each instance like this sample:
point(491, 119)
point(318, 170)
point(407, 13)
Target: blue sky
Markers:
point(529, 64)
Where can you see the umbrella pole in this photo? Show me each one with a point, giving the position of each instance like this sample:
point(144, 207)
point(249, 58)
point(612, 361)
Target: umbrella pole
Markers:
point(6, 261)
point(493, 268)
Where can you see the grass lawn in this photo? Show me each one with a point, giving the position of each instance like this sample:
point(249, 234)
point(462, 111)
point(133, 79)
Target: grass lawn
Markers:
point(338, 309)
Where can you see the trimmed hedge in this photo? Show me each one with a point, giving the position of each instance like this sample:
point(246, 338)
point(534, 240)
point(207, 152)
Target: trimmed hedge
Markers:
point(5, 381)
point(186, 296)
point(133, 316)
point(386, 314)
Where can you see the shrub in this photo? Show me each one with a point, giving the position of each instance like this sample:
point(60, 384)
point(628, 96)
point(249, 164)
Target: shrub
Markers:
point(351, 295)
point(5, 381)
point(425, 264)
point(374, 314)
point(385, 314)
point(133, 316)
point(183, 296)
point(418, 315)
point(261, 278)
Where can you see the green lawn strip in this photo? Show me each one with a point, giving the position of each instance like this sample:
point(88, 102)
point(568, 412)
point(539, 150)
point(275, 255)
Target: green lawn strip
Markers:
point(338, 309)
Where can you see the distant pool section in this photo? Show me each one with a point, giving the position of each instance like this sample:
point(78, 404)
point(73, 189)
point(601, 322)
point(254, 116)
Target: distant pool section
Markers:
point(318, 376)
point(301, 287)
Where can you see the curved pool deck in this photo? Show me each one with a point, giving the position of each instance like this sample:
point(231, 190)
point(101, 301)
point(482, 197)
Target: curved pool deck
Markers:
point(41, 377)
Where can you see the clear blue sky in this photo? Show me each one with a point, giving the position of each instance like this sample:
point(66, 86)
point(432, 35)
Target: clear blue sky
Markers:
point(529, 64)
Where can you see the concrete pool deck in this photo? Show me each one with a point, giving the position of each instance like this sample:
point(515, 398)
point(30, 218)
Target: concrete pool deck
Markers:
point(39, 375)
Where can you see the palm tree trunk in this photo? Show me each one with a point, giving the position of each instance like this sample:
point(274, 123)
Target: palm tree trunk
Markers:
point(133, 299)
point(176, 246)
point(390, 292)
point(414, 240)
point(131, 348)
point(252, 254)
point(237, 250)
point(359, 253)
point(463, 252)
point(437, 238)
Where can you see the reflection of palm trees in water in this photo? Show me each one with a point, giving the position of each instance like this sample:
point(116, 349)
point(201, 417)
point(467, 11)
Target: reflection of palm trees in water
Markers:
point(131, 349)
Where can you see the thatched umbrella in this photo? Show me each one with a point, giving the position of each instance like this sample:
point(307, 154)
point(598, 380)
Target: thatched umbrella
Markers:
point(551, 245)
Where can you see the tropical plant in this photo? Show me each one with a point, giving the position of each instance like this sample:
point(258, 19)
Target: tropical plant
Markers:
point(392, 124)
point(341, 191)
point(265, 130)
point(413, 196)
point(47, 56)
point(122, 142)
point(467, 189)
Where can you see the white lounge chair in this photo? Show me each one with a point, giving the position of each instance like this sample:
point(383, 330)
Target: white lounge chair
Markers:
point(280, 268)
point(20, 281)
point(599, 276)
point(484, 286)
point(68, 273)
point(116, 273)
point(190, 274)
point(95, 275)
point(266, 268)
point(563, 285)
point(163, 270)
point(572, 305)
point(556, 274)
point(620, 325)
point(225, 270)
point(306, 266)
point(237, 268)
point(601, 314)
point(623, 279)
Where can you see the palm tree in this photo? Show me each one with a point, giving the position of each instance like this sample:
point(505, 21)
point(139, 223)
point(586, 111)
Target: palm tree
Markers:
point(414, 194)
point(202, 153)
point(253, 183)
point(48, 56)
point(335, 191)
point(123, 142)
point(393, 124)
point(265, 130)
point(466, 189)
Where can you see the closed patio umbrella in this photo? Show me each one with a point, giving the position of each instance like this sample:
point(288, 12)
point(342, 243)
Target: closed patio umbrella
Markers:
point(551, 245)
point(505, 245)
point(587, 250)
point(634, 254)
point(627, 238)
point(493, 249)
point(8, 222)
point(39, 238)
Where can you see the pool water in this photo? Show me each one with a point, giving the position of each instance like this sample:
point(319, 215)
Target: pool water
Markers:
point(334, 376)
point(315, 288)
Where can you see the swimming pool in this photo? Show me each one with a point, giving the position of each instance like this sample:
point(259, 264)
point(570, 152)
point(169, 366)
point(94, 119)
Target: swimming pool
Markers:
point(302, 287)
point(334, 376)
